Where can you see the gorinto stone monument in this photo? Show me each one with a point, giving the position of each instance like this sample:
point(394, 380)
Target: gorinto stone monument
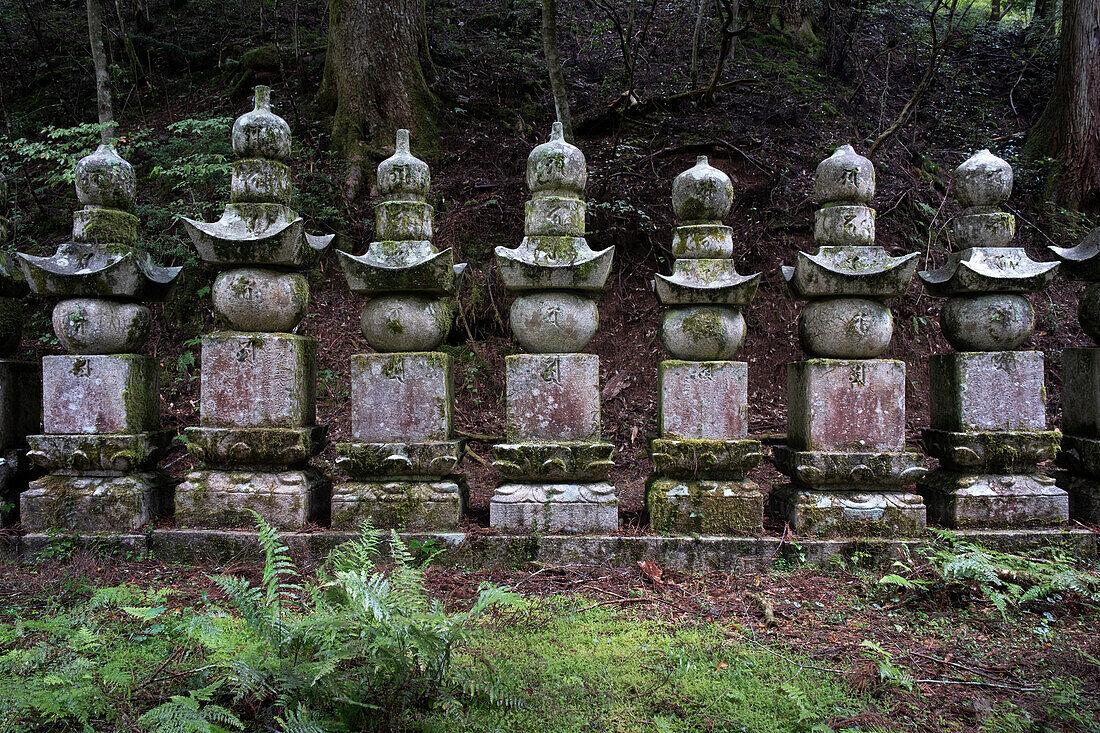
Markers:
point(402, 452)
point(257, 427)
point(100, 402)
point(845, 450)
point(988, 402)
point(554, 464)
point(703, 450)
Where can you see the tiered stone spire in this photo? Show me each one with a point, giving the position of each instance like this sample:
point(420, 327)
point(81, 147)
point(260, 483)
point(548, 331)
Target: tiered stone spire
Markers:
point(703, 451)
point(20, 387)
point(555, 465)
point(257, 411)
point(845, 451)
point(1080, 454)
point(402, 451)
point(988, 402)
point(101, 402)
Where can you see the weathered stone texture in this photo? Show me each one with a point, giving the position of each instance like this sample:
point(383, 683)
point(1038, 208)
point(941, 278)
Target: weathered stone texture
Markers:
point(1084, 495)
point(1000, 390)
point(704, 506)
point(401, 397)
point(116, 393)
point(846, 405)
point(552, 398)
point(1081, 392)
point(993, 500)
point(258, 380)
point(285, 500)
point(707, 399)
point(398, 504)
point(93, 503)
point(577, 508)
point(235, 447)
point(851, 513)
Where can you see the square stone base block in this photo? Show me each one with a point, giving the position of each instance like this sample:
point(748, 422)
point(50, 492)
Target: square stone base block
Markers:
point(1084, 495)
point(860, 512)
point(407, 505)
point(704, 507)
point(579, 508)
point(993, 500)
point(94, 503)
point(285, 500)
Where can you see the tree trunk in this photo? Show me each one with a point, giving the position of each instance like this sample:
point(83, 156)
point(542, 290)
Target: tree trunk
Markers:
point(1045, 12)
point(99, 58)
point(700, 13)
point(1069, 128)
point(374, 80)
point(553, 65)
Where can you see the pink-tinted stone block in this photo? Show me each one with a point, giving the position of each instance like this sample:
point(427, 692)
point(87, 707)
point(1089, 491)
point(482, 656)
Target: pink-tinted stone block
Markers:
point(994, 390)
point(704, 399)
point(110, 393)
point(401, 397)
point(846, 405)
point(552, 397)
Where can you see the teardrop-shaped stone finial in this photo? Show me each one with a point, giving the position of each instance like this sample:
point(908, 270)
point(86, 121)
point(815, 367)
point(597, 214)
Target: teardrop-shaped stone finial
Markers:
point(845, 177)
point(105, 179)
point(557, 131)
point(403, 176)
point(261, 133)
point(983, 180)
point(557, 166)
point(702, 193)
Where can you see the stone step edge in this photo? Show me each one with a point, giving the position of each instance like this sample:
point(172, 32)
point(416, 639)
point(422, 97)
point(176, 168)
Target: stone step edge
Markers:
point(479, 551)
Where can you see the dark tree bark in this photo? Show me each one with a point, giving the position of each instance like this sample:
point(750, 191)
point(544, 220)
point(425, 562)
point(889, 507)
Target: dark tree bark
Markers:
point(553, 66)
point(99, 59)
point(1069, 128)
point(374, 80)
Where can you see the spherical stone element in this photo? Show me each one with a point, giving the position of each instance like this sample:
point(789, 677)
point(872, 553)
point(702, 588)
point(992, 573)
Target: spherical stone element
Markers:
point(403, 176)
point(94, 326)
point(995, 322)
point(261, 133)
point(554, 322)
point(702, 193)
point(254, 299)
point(983, 180)
point(405, 323)
point(703, 333)
point(1088, 311)
point(845, 176)
point(105, 179)
point(11, 324)
point(845, 328)
point(556, 165)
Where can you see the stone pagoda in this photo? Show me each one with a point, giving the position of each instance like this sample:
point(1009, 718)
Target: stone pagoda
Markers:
point(703, 451)
point(1080, 454)
point(845, 452)
point(554, 464)
point(20, 388)
point(257, 427)
point(403, 453)
point(101, 401)
point(988, 402)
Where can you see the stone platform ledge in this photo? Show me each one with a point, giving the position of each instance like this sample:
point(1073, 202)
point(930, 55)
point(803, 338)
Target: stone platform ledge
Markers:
point(506, 552)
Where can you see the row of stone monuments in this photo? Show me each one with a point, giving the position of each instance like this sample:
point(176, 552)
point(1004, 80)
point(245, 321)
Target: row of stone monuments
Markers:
point(845, 455)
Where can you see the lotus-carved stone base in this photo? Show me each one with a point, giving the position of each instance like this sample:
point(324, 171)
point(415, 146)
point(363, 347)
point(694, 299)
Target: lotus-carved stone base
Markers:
point(285, 500)
point(993, 500)
point(823, 468)
point(991, 451)
point(102, 455)
point(253, 447)
point(94, 503)
point(849, 512)
point(580, 461)
point(705, 507)
point(419, 459)
point(700, 458)
point(573, 508)
point(408, 505)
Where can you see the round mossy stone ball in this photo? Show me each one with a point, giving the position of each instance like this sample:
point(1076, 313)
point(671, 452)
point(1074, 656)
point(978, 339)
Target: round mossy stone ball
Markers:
point(554, 322)
point(845, 328)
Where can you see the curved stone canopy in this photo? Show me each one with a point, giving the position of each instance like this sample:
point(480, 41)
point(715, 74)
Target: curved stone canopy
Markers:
point(989, 270)
point(850, 270)
point(370, 273)
point(706, 281)
point(257, 234)
point(12, 282)
point(79, 269)
point(1081, 262)
point(554, 262)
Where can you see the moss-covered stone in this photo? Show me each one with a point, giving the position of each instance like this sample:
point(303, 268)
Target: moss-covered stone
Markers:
point(285, 500)
point(399, 504)
point(849, 513)
point(703, 458)
point(93, 503)
point(705, 507)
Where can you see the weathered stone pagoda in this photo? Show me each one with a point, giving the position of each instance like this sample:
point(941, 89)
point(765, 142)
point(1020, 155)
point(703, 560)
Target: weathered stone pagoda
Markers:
point(703, 451)
point(988, 401)
point(845, 452)
point(1080, 454)
point(402, 452)
point(20, 388)
point(257, 427)
point(101, 401)
point(554, 464)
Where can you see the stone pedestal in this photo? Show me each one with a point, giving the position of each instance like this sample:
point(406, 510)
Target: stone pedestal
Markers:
point(554, 465)
point(1080, 453)
point(257, 433)
point(401, 455)
point(846, 451)
point(20, 416)
point(701, 458)
point(989, 432)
